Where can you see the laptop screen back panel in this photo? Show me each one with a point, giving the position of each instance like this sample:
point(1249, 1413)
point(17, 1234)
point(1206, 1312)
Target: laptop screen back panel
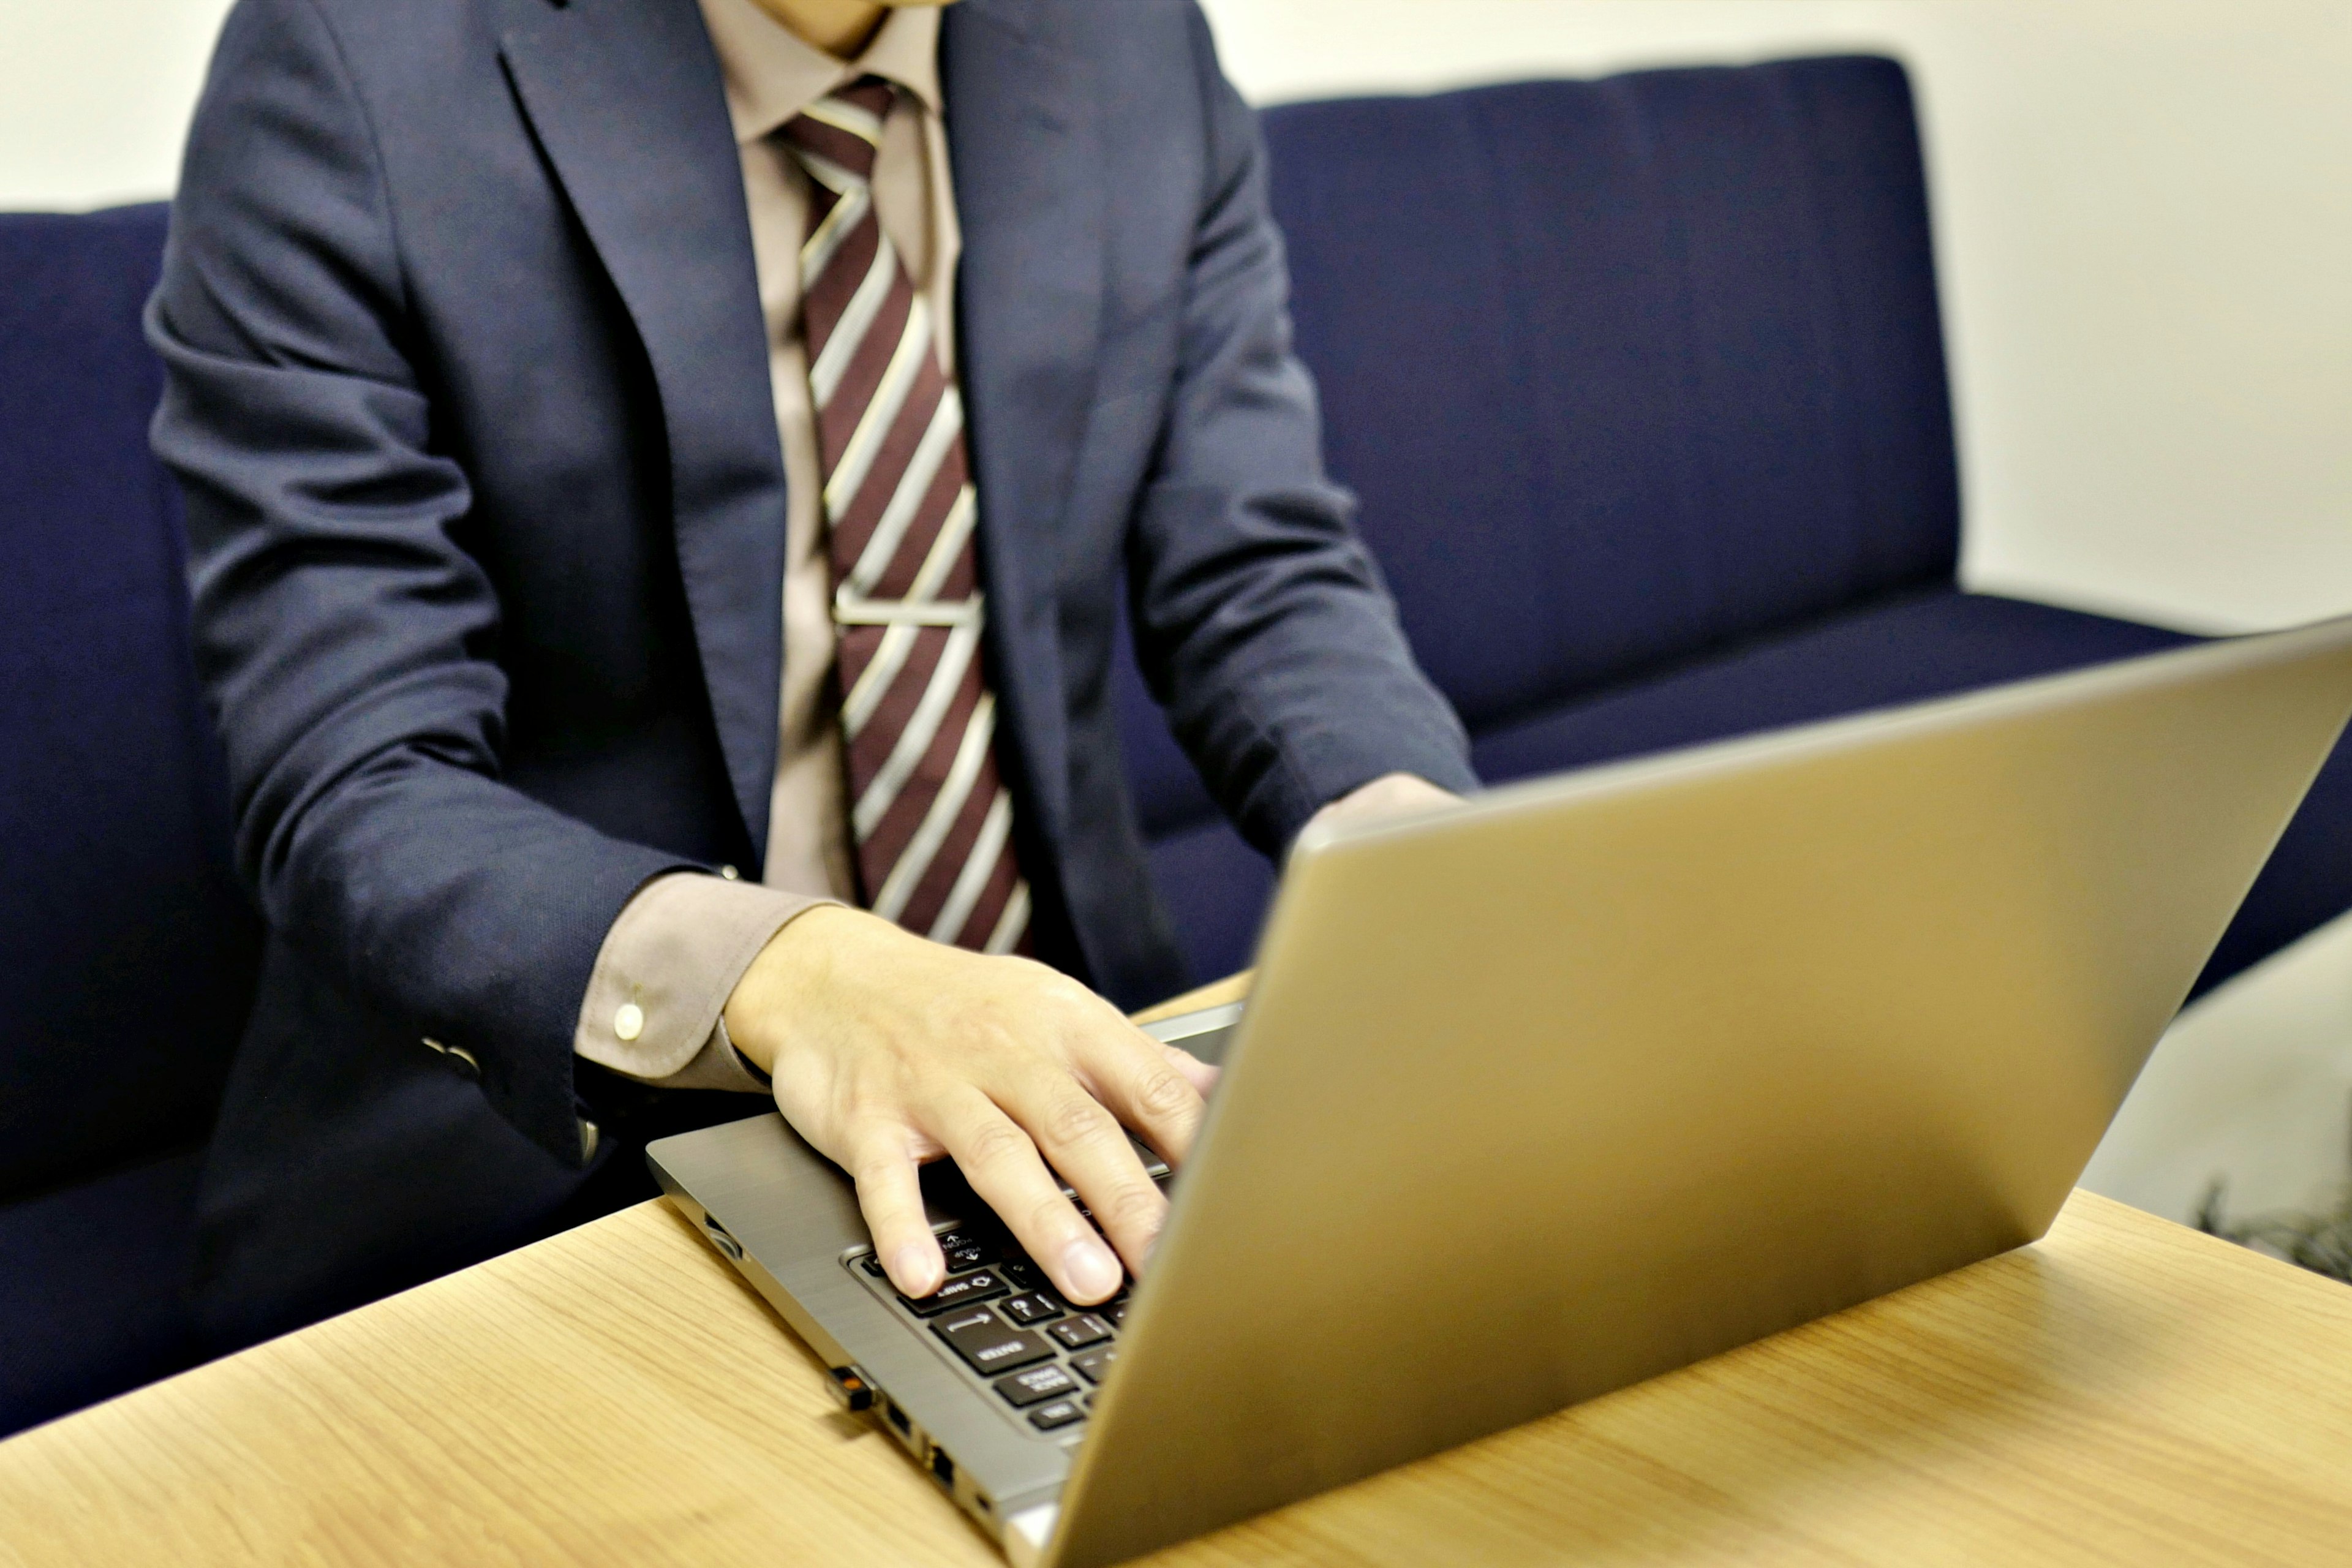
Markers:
point(1595, 1078)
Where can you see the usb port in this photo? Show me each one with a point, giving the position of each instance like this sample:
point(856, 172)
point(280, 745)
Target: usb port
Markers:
point(943, 1468)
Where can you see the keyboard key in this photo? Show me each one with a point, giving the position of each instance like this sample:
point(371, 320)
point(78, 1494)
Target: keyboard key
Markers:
point(1081, 1332)
point(872, 1265)
point(1046, 1382)
point(1117, 1313)
point(965, 1251)
point(1061, 1413)
point(1036, 1307)
point(1024, 1274)
point(1095, 1366)
point(959, 1291)
point(987, 1345)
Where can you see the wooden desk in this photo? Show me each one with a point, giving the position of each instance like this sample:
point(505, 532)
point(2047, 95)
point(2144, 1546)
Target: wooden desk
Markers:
point(2124, 1392)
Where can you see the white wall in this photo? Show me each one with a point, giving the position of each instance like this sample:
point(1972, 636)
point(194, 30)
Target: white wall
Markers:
point(95, 95)
point(2251, 1086)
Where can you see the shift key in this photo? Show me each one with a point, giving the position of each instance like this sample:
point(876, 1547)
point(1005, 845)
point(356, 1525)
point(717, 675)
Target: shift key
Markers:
point(960, 1291)
point(987, 1344)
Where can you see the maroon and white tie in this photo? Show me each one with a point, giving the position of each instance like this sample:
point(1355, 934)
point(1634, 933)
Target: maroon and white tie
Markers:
point(930, 816)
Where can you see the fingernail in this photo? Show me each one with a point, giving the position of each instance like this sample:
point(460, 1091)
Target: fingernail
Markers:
point(913, 1265)
point(1094, 1272)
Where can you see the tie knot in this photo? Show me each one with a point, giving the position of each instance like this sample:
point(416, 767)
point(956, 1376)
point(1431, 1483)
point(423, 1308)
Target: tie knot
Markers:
point(835, 138)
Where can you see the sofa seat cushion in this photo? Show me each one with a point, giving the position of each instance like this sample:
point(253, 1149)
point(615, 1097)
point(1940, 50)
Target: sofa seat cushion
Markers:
point(1901, 648)
point(1904, 648)
point(1907, 649)
point(93, 1289)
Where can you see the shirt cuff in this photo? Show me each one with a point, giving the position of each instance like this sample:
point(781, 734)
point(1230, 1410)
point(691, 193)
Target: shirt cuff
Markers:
point(668, 965)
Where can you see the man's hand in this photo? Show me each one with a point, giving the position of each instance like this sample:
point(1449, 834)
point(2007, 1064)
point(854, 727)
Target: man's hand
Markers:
point(1391, 794)
point(888, 1050)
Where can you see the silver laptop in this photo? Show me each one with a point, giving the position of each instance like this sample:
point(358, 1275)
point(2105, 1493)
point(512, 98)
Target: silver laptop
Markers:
point(1581, 1082)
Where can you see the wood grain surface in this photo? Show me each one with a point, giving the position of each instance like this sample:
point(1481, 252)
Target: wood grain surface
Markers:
point(2124, 1392)
point(1216, 994)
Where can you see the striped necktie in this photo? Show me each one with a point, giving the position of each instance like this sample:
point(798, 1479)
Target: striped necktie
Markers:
point(931, 818)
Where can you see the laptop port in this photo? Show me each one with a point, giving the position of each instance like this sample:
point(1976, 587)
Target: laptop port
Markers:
point(897, 1419)
point(943, 1468)
point(720, 1239)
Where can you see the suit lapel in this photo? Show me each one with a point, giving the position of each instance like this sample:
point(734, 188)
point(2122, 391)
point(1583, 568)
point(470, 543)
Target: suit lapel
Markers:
point(1025, 146)
point(626, 98)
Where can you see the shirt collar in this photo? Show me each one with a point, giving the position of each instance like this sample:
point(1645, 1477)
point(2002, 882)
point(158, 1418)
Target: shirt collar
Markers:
point(772, 73)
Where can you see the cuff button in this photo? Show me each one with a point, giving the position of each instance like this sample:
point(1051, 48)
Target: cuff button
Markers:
point(629, 1022)
point(729, 873)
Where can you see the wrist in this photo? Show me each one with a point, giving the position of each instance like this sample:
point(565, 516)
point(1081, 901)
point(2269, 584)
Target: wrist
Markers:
point(788, 969)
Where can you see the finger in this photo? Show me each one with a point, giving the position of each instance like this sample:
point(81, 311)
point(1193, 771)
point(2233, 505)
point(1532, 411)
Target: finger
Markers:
point(1083, 1139)
point(1198, 1073)
point(890, 1194)
point(1129, 1071)
point(1004, 1168)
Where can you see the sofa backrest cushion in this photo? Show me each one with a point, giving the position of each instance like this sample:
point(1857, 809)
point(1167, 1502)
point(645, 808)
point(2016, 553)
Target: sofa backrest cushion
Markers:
point(126, 952)
point(1624, 368)
point(1620, 369)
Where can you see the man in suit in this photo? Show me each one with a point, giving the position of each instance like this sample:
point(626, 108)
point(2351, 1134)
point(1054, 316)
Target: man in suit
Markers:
point(663, 478)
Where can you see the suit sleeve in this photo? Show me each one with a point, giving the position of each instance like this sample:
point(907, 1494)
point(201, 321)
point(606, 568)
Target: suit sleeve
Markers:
point(652, 1009)
point(344, 633)
point(1261, 621)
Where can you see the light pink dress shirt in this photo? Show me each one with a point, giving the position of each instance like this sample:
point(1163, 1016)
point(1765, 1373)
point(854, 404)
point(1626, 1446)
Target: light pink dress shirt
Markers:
point(671, 960)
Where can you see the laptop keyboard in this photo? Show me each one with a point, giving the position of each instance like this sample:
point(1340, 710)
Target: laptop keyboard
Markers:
point(1040, 1357)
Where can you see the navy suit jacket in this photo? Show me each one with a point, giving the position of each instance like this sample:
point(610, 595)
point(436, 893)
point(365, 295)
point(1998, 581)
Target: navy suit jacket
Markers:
point(468, 390)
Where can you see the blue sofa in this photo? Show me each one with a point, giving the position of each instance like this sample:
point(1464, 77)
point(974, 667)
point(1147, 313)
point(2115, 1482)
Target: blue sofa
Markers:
point(1640, 382)
point(126, 949)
